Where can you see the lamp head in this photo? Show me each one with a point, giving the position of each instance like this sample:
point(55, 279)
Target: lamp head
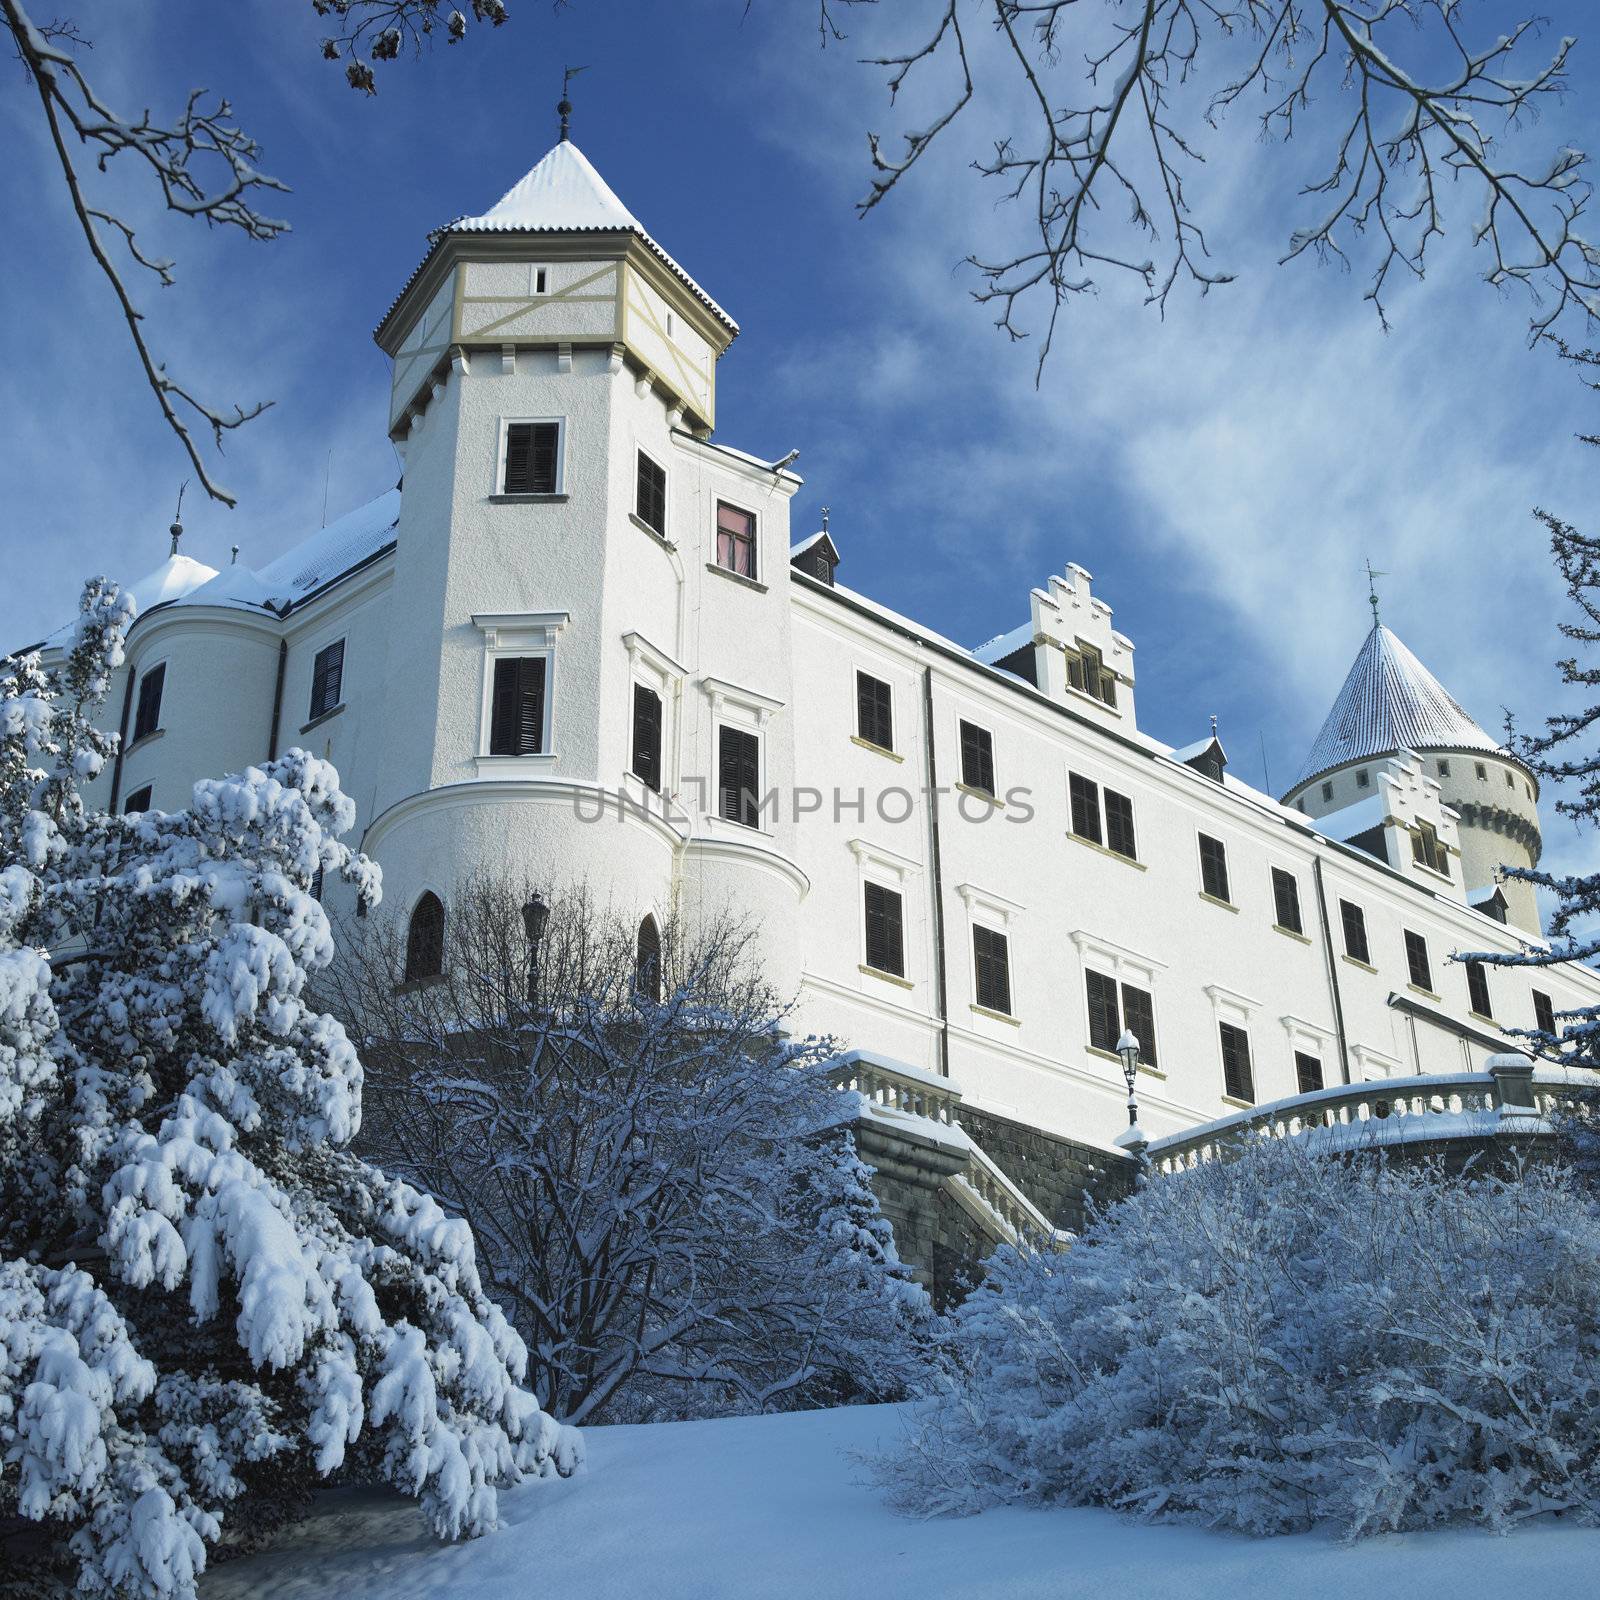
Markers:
point(1128, 1049)
point(535, 913)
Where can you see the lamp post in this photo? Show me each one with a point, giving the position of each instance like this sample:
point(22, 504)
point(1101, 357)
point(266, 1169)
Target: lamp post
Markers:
point(1128, 1049)
point(535, 914)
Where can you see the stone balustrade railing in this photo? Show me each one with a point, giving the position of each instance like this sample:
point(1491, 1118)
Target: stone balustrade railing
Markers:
point(900, 1088)
point(1020, 1216)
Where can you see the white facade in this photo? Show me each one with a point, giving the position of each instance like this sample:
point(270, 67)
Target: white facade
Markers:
point(556, 308)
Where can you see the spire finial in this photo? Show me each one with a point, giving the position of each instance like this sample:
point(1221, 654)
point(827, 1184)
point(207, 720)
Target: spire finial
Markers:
point(235, 561)
point(1213, 727)
point(824, 519)
point(176, 530)
point(1372, 586)
point(564, 106)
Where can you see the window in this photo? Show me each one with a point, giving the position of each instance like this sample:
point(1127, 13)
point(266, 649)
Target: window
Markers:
point(1444, 769)
point(1544, 1014)
point(1237, 1081)
point(1355, 932)
point(1483, 772)
point(647, 737)
point(1286, 900)
point(541, 280)
point(1113, 1007)
point(647, 961)
point(991, 962)
point(650, 495)
point(1417, 961)
point(1086, 671)
point(738, 776)
point(327, 679)
point(885, 918)
point(148, 717)
point(1363, 779)
point(1213, 867)
point(1478, 989)
point(736, 540)
point(977, 758)
point(531, 461)
point(1511, 781)
point(1426, 849)
point(1119, 825)
point(1307, 1072)
point(1327, 791)
point(874, 711)
point(1139, 1018)
point(139, 800)
point(425, 939)
point(516, 712)
point(1085, 807)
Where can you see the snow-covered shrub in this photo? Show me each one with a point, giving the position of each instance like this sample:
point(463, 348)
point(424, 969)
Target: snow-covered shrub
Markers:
point(1280, 1341)
point(203, 1293)
point(661, 1194)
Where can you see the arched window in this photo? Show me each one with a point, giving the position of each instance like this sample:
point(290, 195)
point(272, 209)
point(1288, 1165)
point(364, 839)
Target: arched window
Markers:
point(647, 960)
point(425, 939)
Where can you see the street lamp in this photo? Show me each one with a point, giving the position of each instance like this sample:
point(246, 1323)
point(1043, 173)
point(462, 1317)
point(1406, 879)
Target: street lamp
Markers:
point(1128, 1049)
point(535, 914)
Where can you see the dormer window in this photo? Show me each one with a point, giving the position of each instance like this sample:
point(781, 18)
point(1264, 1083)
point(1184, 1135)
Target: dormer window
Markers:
point(1086, 672)
point(530, 457)
point(1427, 851)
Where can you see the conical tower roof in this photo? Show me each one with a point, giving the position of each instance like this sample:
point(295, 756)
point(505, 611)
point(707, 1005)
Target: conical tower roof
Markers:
point(1390, 702)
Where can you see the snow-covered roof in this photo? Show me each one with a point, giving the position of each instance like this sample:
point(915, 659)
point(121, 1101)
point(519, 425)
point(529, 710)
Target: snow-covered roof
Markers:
point(332, 550)
point(806, 543)
point(1351, 821)
point(1005, 644)
point(1390, 702)
point(563, 193)
point(177, 577)
point(1199, 748)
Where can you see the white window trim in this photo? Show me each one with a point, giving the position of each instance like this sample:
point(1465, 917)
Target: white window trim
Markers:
point(1377, 1065)
point(1121, 963)
point(1231, 1006)
point(985, 909)
point(874, 864)
point(666, 492)
point(720, 499)
point(561, 452)
point(757, 731)
point(883, 675)
point(1300, 1032)
point(508, 634)
point(652, 668)
point(758, 709)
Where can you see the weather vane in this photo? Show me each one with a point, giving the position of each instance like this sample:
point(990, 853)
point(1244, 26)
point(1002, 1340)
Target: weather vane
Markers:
point(564, 109)
point(176, 530)
point(1372, 590)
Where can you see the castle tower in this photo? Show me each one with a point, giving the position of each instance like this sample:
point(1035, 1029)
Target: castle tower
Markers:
point(1391, 704)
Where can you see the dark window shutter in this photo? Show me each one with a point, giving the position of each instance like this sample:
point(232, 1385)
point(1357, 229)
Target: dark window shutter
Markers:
point(1286, 900)
point(1105, 1020)
point(1355, 931)
point(425, 939)
point(327, 679)
point(738, 776)
point(1139, 1018)
point(1417, 960)
point(651, 499)
point(139, 800)
point(516, 718)
point(874, 711)
point(885, 930)
point(1478, 989)
point(992, 960)
point(647, 960)
point(647, 736)
point(977, 758)
point(1119, 825)
point(148, 717)
point(1307, 1072)
point(1544, 1013)
point(1237, 1079)
point(1085, 797)
point(531, 451)
point(1214, 867)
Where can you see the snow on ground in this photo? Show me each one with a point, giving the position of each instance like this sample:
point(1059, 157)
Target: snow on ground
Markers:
point(759, 1508)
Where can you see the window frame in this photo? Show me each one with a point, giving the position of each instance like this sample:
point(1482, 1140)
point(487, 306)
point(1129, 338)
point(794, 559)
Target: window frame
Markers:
point(895, 892)
point(1224, 1029)
point(1478, 988)
point(986, 736)
point(651, 991)
point(1221, 863)
point(1281, 876)
point(1353, 916)
point(1106, 797)
point(641, 688)
point(1417, 961)
point(863, 677)
point(641, 457)
point(1300, 1074)
point(314, 713)
point(755, 736)
point(1083, 803)
point(1544, 1013)
point(719, 504)
point(158, 671)
point(502, 454)
point(1003, 935)
point(410, 972)
point(522, 635)
point(147, 792)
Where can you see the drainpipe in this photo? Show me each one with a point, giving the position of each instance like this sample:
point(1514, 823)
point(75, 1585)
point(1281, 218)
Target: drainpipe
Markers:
point(1333, 969)
point(931, 772)
point(122, 740)
point(277, 700)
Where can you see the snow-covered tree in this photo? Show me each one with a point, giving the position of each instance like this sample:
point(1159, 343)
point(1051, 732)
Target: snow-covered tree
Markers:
point(205, 1298)
point(1280, 1341)
point(661, 1193)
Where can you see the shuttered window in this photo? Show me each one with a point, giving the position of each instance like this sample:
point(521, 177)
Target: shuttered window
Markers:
point(647, 737)
point(885, 919)
point(327, 679)
point(1544, 1013)
point(139, 800)
point(516, 722)
point(1119, 825)
point(425, 940)
point(533, 458)
point(977, 758)
point(739, 776)
point(1355, 932)
point(1417, 960)
point(1237, 1080)
point(1214, 868)
point(991, 960)
point(736, 540)
point(1307, 1072)
point(1139, 1018)
point(1086, 671)
point(1105, 1016)
point(1085, 797)
point(1427, 850)
point(1286, 900)
point(148, 717)
point(650, 496)
point(1478, 989)
point(647, 961)
point(874, 711)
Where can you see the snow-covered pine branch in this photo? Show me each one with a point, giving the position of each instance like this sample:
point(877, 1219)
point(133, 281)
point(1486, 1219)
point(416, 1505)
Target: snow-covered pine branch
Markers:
point(205, 1297)
point(659, 1190)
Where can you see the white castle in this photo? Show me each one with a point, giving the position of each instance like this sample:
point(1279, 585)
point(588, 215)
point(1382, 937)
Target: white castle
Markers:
point(579, 646)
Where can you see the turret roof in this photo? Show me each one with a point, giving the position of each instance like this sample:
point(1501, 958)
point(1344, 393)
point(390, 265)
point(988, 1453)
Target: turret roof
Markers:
point(1390, 702)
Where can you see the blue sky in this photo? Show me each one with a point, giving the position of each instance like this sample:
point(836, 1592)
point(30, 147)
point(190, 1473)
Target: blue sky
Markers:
point(1223, 472)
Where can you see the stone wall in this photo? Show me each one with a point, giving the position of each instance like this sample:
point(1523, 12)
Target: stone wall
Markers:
point(1059, 1175)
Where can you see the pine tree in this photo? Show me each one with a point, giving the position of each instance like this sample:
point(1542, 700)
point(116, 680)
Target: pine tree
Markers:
point(204, 1296)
